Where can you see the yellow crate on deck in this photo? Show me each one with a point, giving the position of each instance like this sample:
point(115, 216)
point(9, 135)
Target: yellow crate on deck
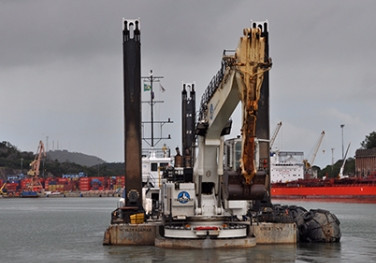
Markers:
point(137, 218)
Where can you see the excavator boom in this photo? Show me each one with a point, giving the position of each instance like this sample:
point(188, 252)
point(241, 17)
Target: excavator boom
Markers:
point(239, 80)
point(251, 64)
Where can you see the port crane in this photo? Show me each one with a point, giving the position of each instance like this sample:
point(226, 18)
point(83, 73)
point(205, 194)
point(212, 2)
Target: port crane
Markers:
point(34, 171)
point(317, 147)
point(275, 133)
point(340, 175)
point(308, 164)
point(2, 191)
point(35, 165)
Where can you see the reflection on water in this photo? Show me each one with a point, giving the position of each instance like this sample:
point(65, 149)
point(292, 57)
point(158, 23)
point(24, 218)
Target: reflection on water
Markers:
point(319, 252)
point(261, 253)
point(71, 230)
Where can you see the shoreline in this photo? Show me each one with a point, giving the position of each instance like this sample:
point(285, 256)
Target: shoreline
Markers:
point(91, 193)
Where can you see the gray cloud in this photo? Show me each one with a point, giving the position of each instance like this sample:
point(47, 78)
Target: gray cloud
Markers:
point(61, 68)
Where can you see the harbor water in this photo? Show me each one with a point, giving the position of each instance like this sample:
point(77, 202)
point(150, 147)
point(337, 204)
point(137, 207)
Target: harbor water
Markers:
point(71, 230)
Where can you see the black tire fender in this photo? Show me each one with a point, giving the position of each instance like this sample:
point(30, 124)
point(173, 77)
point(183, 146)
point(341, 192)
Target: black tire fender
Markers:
point(308, 216)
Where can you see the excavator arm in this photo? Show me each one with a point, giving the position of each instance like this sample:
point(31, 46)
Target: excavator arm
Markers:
point(239, 80)
point(251, 65)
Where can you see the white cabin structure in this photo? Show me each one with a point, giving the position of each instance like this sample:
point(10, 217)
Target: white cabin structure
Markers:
point(286, 166)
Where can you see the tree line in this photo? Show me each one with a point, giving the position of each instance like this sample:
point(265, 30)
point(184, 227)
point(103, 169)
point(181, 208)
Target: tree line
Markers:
point(332, 171)
point(16, 162)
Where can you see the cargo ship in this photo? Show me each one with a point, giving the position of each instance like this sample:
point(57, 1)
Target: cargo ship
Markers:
point(292, 179)
point(351, 188)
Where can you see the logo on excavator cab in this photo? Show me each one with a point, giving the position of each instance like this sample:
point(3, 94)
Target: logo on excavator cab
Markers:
point(183, 197)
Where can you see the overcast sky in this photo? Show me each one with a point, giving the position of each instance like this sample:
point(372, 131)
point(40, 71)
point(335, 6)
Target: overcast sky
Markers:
point(61, 69)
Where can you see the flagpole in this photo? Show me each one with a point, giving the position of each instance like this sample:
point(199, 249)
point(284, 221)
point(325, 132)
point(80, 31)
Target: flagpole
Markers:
point(151, 79)
point(152, 107)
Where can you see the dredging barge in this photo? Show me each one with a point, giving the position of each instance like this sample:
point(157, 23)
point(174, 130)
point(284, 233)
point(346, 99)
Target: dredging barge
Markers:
point(200, 204)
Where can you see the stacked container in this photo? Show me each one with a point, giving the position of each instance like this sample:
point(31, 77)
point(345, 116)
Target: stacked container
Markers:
point(63, 184)
point(110, 183)
point(12, 187)
point(25, 183)
point(50, 184)
point(84, 184)
point(97, 183)
point(120, 182)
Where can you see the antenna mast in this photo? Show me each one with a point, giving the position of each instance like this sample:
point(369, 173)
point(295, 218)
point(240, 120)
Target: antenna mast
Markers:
point(148, 86)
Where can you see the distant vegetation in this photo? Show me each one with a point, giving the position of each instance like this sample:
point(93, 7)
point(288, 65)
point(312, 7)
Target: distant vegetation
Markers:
point(370, 141)
point(14, 162)
point(332, 171)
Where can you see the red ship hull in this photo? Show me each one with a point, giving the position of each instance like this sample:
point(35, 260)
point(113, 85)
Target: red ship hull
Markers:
point(325, 189)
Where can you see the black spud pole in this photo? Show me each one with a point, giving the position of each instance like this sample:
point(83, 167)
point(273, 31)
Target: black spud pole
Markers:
point(132, 115)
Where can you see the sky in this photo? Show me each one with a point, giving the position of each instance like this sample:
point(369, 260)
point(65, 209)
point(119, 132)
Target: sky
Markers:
point(61, 78)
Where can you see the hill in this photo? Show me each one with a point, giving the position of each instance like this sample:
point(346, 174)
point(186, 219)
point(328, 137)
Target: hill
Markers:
point(63, 156)
point(14, 162)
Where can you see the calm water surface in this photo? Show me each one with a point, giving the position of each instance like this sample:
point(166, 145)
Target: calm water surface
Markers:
point(71, 230)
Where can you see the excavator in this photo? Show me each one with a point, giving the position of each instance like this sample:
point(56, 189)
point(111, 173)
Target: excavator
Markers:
point(205, 200)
